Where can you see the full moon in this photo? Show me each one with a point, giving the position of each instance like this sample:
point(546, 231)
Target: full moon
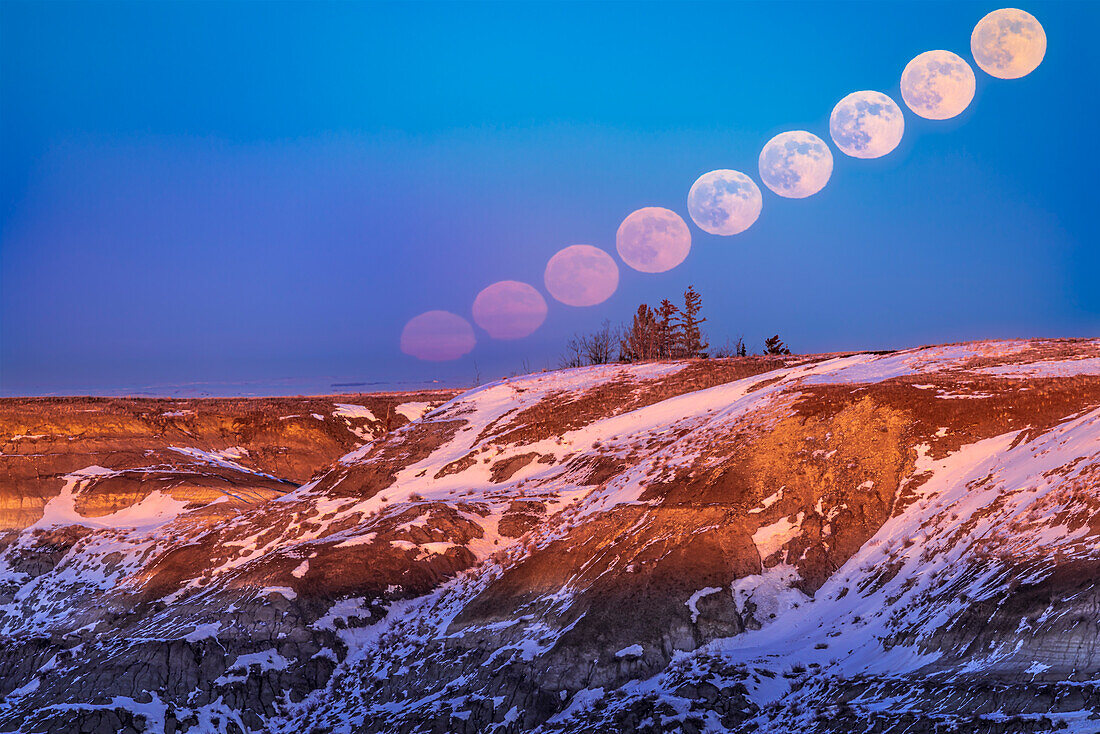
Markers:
point(796, 164)
point(866, 124)
point(937, 85)
point(509, 309)
point(724, 202)
point(653, 240)
point(581, 275)
point(437, 336)
point(1008, 43)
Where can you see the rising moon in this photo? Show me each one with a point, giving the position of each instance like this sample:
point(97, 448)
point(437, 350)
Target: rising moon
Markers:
point(866, 124)
point(509, 309)
point(724, 202)
point(1008, 43)
point(581, 275)
point(653, 240)
point(796, 164)
point(937, 85)
point(437, 336)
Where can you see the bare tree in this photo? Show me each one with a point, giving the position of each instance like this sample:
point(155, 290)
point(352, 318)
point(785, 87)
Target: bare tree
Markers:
point(731, 348)
point(571, 357)
point(599, 346)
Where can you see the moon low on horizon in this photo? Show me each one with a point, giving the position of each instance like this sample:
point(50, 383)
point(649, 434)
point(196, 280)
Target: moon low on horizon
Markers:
point(1008, 43)
point(581, 275)
point(796, 164)
point(437, 336)
point(724, 202)
point(866, 124)
point(509, 309)
point(937, 85)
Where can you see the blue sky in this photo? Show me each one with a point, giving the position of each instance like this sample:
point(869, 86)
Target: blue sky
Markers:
point(255, 197)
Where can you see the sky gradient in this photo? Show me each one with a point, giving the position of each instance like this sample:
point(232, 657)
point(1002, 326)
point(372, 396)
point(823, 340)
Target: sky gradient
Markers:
point(255, 198)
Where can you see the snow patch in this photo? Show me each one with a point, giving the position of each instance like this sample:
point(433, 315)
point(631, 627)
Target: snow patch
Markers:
point(634, 651)
point(349, 410)
point(771, 538)
point(771, 593)
point(412, 411)
point(693, 602)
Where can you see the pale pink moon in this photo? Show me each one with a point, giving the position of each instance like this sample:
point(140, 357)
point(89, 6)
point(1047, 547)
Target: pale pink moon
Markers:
point(437, 336)
point(653, 240)
point(581, 275)
point(509, 309)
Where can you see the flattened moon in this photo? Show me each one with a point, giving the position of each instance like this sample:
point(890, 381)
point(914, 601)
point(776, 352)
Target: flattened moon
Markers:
point(1008, 43)
point(937, 85)
point(437, 336)
point(653, 240)
point(581, 275)
point(866, 124)
point(796, 164)
point(509, 309)
point(724, 202)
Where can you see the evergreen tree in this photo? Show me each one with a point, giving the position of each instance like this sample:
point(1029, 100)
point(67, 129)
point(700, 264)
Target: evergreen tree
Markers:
point(640, 339)
point(692, 343)
point(774, 345)
point(668, 329)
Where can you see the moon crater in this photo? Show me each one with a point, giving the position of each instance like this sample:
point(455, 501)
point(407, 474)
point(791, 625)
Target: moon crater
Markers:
point(937, 85)
point(866, 124)
point(653, 240)
point(796, 164)
point(1008, 43)
point(724, 202)
point(581, 275)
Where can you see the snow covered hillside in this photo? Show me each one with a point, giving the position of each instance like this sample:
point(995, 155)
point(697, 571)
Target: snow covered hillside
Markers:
point(898, 542)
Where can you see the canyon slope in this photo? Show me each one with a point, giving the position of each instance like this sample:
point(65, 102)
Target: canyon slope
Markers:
point(874, 542)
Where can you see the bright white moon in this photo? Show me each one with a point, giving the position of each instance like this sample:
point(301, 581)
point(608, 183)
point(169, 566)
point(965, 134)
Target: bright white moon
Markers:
point(437, 336)
point(509, 309)
point(724, 202)
point(1008, 43)
point(581, 275)
point(866, 124)
point(796, 164)
point(653, 240)
point(937, 85)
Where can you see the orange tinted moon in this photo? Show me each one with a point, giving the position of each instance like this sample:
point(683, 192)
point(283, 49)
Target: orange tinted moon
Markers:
point(509, 309)
point(581, 275)
point(1008, 43)
point(437, 336)
point(937, 85)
